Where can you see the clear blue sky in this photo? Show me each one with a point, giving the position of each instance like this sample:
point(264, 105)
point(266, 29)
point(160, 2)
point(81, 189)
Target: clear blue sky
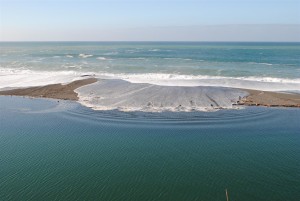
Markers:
point(120, 19)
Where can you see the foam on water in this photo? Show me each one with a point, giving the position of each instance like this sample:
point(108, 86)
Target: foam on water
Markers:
point(85, 55)
point(23, 77)
point(256, 83)
point(16, 78)
point(101, 58)
point(125, 96)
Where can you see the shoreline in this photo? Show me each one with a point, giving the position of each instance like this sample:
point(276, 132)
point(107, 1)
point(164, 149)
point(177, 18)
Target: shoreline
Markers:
point(270, 99)
point(54, 91)
point(67, 92)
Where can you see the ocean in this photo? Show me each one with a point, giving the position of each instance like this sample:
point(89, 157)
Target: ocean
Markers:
point(183, 63)
point(160, 122)
point(169, 66)
point(53, 150)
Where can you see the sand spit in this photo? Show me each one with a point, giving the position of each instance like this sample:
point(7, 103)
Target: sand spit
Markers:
point(270, 99)
point(57, 91)
point(135, 95)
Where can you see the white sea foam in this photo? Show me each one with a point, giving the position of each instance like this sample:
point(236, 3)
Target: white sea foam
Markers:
point(85, 55)
point(69, 56)
point(167, 58)
point(178, 58)
point(101, 58)
point(257, 83)
point(15, 78)
point(138, 58)
point(266, 64)
point(22, 77)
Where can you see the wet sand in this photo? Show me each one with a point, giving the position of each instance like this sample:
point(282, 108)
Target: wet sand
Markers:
point(66, 92)
point(56, 91)
point(270, 99)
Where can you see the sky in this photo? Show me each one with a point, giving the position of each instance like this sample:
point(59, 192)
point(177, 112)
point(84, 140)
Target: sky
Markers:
point(149, 20)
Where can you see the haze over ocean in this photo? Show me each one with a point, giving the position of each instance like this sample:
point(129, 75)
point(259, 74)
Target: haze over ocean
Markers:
point(150, 20)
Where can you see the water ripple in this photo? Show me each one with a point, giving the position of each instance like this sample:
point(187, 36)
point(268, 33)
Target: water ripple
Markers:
point(245, 116)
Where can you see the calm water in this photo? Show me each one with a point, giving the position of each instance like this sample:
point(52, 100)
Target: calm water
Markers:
point(63, 151)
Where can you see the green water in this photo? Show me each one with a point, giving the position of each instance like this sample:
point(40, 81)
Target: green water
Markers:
point(63, 151)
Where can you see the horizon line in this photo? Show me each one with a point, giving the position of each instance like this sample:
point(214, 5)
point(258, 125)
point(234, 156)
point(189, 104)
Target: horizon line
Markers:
point(180, 41)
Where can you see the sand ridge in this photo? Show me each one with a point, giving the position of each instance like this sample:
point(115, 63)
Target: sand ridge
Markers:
point(270, 99)
point(56, 91)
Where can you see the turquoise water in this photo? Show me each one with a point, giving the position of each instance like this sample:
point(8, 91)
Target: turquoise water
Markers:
point(63, 151)
point(280, 60)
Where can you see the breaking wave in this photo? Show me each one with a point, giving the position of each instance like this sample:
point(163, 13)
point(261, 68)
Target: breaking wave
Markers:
point(22, 77)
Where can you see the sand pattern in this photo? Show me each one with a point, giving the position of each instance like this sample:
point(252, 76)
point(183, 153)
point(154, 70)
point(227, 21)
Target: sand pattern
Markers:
point(101, 94)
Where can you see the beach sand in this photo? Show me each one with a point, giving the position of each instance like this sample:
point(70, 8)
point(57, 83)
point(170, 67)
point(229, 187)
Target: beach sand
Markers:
point(56, 91)
point(270, 99)
point(66, 92)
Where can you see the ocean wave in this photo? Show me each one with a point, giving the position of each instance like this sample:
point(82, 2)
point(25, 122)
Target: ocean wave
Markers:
point(251, 82)
point(165, 76)
point(139, 58)
point(104, 59)
point(171, 58)
point(154, 50)
point(110, 53)
point(132, 51)
point(85, 55)
point(266, 64)
point(15, 78)
point(184, 59)
point(22, 77)
point(101, 58)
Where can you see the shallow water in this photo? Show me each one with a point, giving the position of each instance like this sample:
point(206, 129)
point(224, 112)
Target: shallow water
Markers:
point(53, 150)
point(125, 96)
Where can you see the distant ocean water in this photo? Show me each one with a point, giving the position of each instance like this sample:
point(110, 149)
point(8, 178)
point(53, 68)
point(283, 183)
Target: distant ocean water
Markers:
point(262, 66)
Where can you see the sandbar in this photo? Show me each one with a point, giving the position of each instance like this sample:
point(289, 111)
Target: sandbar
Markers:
point(270, 99)
point(55, 91)
point(67, 92)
